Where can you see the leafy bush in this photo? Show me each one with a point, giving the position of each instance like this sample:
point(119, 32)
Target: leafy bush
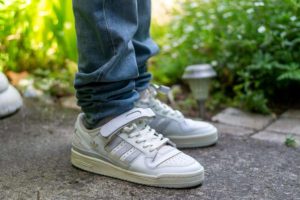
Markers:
point(38, 37)
point(254, 46)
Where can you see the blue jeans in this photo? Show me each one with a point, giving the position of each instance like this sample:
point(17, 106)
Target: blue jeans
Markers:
point(114, 45)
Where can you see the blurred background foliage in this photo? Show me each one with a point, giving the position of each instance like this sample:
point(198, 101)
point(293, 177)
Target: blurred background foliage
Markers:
point(37, 36)
point(254, 45)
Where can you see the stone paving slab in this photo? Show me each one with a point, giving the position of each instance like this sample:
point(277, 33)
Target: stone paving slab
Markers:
point(233, 130)
point(236, 117)
point(276, 137)
point(285, 126)
point(291, 114)
point(34, 161)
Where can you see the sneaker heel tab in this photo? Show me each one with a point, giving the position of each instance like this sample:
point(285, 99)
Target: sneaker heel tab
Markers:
point(79, 118)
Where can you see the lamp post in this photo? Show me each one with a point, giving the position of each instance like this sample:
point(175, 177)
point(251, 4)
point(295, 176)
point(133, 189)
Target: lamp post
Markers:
point(199, 78)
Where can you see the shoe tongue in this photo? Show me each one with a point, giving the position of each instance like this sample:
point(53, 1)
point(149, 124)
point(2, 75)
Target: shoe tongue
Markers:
point(145, 95)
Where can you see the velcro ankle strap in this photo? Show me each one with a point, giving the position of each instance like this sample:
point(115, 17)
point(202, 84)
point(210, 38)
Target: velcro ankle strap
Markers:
point(126, 118)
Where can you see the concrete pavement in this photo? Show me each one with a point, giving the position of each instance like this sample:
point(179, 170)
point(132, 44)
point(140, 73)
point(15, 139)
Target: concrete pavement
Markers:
point(35, 150)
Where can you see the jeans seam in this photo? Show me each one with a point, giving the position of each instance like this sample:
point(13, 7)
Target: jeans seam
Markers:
point(109, 35)
point(107, 27)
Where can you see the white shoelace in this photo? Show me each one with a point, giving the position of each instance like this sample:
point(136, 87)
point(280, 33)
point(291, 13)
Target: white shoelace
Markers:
point(159, 107)
point(146, 136)
point(164, 109)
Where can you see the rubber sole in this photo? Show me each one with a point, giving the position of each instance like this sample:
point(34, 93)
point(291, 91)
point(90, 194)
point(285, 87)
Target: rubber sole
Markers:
point(195, 141)
point(99, 166)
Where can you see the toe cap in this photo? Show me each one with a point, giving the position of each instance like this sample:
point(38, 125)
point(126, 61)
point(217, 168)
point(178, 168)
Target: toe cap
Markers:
point(193, 127)
point(181, 163)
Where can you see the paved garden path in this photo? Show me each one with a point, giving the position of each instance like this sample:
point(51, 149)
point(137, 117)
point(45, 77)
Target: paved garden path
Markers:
point(35, 150)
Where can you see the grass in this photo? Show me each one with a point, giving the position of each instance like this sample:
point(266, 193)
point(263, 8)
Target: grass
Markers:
point(290, 141)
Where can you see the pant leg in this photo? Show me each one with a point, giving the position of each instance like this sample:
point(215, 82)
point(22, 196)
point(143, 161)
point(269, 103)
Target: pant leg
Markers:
point(144, 46)
point(107, 66)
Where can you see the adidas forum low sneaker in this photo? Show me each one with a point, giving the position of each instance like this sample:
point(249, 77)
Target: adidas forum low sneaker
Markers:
point(173, 125)
point(127, 148)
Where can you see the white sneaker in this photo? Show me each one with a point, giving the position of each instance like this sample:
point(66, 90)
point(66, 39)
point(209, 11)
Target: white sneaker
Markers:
point(10, 99)
point(3, 82)
point(173, 125)
point(127, 148)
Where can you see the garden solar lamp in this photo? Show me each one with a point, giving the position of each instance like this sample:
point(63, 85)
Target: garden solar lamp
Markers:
point(199, 78)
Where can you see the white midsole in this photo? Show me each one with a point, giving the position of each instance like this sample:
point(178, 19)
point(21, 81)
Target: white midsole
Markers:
point(99, 166)
point(195, 141)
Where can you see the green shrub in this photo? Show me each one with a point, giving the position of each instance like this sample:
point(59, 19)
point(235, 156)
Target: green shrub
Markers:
point(254, 46)
point(38, 37)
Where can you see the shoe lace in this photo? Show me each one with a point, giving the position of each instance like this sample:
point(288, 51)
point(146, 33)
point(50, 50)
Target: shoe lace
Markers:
point(159, 106)
point(145, 136)
point(164, 109)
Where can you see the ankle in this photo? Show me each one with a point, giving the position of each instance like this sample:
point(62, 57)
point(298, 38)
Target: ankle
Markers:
point(92, 125)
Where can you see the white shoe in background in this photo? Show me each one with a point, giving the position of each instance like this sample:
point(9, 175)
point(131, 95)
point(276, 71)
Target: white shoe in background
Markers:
point(10, 99)
point(173, 125)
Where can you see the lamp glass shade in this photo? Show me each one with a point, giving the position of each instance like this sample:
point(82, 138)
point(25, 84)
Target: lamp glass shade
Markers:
point(200, 87)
